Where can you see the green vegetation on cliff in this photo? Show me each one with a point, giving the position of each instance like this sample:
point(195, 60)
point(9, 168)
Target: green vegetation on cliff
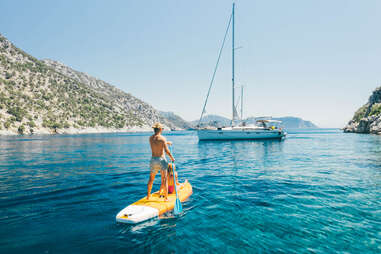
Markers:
point(360, 113)
point(35, 96)
point(375, 109)
point(367, 119)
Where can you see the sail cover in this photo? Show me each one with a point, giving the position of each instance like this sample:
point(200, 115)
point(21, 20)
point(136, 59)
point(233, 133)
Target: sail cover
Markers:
point(235, 113)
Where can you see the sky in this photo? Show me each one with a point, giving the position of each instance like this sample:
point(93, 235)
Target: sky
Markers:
point(318, 60)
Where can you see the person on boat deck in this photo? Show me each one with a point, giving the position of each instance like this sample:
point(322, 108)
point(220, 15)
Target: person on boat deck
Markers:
point(171, 185)
point(159, 146)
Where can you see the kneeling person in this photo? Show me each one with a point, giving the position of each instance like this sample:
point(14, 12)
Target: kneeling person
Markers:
point(171, 185)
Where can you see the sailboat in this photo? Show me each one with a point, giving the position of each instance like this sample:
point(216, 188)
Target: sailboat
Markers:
point(263, 129)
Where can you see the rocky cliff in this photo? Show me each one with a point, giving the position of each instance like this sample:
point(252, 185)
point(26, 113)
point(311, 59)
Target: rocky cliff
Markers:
point(367, 119)
point(49, 97)
point(137, 107)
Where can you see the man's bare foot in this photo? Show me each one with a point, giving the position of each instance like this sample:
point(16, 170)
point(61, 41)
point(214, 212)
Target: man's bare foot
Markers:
point(148, 197)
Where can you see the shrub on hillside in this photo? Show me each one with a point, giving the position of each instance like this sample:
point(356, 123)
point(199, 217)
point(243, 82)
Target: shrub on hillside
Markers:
point(360, 113)
point(17, 112)
point(21, 129)
point(376, 109)
point(48, 123)
point(8, 75)
point(7, 124)
point(31, 124)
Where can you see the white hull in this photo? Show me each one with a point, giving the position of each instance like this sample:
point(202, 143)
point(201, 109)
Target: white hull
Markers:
point(239, 134)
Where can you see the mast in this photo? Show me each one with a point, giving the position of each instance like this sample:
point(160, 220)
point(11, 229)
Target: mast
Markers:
point(234, 109)
point(241, 103)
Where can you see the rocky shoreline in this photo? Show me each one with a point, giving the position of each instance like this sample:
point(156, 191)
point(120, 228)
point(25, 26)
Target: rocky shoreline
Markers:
point(369, 125)
point(74, 131)
point(367, 119)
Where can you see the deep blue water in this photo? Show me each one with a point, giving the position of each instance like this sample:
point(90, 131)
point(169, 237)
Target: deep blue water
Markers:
point(317, 191)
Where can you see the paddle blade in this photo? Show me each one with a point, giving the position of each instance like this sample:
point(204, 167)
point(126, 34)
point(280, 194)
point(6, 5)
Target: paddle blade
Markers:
point(178, 207)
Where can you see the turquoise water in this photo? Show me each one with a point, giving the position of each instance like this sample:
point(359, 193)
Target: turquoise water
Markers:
point(317, 191)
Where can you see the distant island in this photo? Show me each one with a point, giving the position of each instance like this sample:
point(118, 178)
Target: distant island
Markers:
point(176, 120)
point(288, 122)
point(367, 119)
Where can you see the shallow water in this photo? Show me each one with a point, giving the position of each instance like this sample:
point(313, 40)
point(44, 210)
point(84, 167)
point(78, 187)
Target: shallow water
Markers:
point(317, 191)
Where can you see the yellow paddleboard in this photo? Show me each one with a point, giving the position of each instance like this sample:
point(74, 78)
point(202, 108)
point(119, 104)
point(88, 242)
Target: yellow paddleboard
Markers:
point(144, 209)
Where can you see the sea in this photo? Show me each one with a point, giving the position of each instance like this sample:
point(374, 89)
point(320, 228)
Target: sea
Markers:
point(317, 191)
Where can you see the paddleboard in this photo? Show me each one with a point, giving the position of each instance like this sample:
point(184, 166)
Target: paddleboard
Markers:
point(144, 209)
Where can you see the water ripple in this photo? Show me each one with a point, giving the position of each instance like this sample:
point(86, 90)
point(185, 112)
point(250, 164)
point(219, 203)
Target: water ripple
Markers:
point(317, 191)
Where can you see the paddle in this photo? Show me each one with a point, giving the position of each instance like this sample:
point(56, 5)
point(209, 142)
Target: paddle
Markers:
point(178, 207)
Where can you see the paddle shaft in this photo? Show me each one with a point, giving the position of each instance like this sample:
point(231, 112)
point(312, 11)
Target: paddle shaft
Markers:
point(174, 177)
point(178, 207)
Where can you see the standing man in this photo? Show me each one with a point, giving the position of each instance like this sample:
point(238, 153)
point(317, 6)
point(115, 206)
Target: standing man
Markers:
point(159, 146)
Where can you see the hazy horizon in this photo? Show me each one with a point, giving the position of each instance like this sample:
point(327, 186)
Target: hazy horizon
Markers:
point(315, 60)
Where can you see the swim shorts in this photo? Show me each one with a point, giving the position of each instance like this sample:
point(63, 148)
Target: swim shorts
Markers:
point(158, 163)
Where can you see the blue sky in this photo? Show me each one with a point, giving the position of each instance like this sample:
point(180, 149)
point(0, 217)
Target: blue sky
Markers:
point(319, 60)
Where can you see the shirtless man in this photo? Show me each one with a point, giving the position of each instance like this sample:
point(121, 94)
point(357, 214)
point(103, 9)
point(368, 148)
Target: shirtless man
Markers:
point(159, 146)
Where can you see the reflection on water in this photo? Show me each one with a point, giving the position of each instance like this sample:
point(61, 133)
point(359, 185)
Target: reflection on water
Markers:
point(316, 191)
